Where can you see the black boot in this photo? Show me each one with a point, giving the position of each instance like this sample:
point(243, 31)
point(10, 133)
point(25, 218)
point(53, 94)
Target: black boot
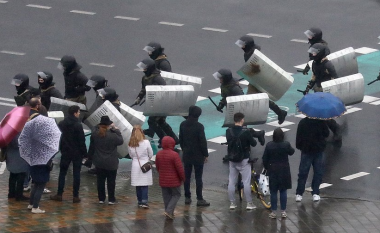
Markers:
point(281, 114)
point(260, 135)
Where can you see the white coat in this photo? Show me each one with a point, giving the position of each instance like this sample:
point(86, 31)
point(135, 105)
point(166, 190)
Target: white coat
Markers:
point(145, 152)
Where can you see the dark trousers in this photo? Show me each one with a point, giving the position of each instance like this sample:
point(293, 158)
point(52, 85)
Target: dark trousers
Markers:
point(64, 166)
point(16, 184)
point(334, 127)
point(158, 125)
point(142, 194)
point(198, 170)
point(36, 194)
point(102, 176)
point(283, 199)
point(171, 196)
point(308, 159)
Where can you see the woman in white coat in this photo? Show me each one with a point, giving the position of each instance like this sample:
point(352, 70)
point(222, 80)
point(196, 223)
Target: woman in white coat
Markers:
point(141, 152)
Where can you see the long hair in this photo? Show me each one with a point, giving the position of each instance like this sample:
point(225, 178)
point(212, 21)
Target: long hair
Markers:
point(278, 135)
point(102, 130)
point(137, 136)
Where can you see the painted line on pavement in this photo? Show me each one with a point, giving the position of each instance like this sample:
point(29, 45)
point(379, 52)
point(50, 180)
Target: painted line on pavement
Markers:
point(139, 70)
point(302, 66)
point(103, 65)
point(351, 110)
point(300, 41)
point(300, 116)
point(7, 99)
point(83, 12)
point(375, 102)
point(216, 90)
point(3, 1)
point(214, 29)
point(12, 52)
point(210, 150)
point(354, 176)
point(270, 133)
point(369, 99)
point(244, 82)
point(8, 104)
point(201, 98)
point(2, 168)
point(365, 50)
point(171, 24)
point(220, 139)
point(321, 186)
point(259, 35)
point(285, 123)
point(39, 6)
point(53, 58)
point(126, 17)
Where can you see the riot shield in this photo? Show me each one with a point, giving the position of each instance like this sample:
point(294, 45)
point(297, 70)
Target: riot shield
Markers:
point(180, 79)
point(345, 62)
point(58, 116)
point(132, 116)
point(266, 76)
point(120, 122)
point(349, 89)
point(169, 100)
point(63, 105)
point(255, 107)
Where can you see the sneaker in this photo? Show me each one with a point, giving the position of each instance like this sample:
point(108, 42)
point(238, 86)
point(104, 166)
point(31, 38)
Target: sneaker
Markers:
point(187, 201)
point(298, 198)
point(169, 216)
point(316, 197)
point(145, 205)
point(101, 202)
point(37, 211)
point(111, 202)
point(56, 197)
point(272, 215)
point(76, 199)
point(232, 205)
point(30, 207)
point(46, 191)
point(282, 116)
point(26, 189)
point(203, 203)
point(283, 214)
point(22, 198)
point(250, 206)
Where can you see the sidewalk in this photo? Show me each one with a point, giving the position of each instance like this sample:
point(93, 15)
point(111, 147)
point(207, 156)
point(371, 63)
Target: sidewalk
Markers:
point(329, 215)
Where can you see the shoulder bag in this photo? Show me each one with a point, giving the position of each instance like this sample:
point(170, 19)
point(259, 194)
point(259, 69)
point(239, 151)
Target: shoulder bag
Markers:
point(146, 166)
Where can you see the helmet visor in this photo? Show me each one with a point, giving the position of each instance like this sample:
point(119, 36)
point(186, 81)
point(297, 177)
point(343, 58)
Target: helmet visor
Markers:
point(378, 37)
point(309, 34)
point(313, 51)
point(42, 75)
point(16, 82)
point(240, 43)
point(91, 83)
point(60, 66)
point(148, 49)
point(142, 66)
point(102, 93)
point(217, 75)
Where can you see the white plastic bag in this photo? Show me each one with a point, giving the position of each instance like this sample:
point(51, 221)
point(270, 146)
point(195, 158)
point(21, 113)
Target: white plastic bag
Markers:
point(264, 183)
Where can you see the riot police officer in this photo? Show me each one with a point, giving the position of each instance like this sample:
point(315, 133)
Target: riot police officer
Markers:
point(156, 53)
point(21, 82)
point(110, 94)
point(47, 88)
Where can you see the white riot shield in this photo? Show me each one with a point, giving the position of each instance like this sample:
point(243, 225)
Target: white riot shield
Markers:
point(63, 105)
point(255, 107)
point(266, 76)
point(349, 89)
point(132, 116)
point(58, 116)
point(120, 122)
point(180, 79)
point(169, 100)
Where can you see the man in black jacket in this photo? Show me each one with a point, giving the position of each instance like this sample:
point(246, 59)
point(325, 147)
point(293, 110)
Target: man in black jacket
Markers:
point(21, 82)
point(47, 88)
point(73, 149)
point(311, 140)
point(156, 53)
point(193, 143)
point(75, 80)
point(242, 167)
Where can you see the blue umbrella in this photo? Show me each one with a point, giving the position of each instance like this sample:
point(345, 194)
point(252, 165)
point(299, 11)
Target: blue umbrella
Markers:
point(321, 105)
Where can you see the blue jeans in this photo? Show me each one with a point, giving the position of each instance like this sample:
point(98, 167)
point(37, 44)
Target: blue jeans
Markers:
point(283, 199)
point(308, 159)
point(64, 166)
point(198, 170)
point(142, 194)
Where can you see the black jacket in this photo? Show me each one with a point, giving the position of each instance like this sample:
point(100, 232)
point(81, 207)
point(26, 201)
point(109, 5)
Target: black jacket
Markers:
point(153, 79)
point(75, 83)
point(47, 93)
point(276, 162)
point(311, 135)
point(73, 142)
point(193, 141)
point(246, 139)
point(162, 63)
point(323, 71)
point(232, 88)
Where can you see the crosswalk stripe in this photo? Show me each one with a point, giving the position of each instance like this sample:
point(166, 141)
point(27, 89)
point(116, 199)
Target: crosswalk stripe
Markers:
point(7, 99)
point(285, 123)
point(365, 50)
point(216, 90)
point(220, 139)
point(354, 176)
point(351, 110)
point(321, 186)
point(8, 104)
point(369, 99)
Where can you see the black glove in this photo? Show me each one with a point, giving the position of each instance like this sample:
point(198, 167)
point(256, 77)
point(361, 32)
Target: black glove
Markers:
point(378, 77)
point(306, 69)
point(87, 163)
point(137, 101)
point(220, 107)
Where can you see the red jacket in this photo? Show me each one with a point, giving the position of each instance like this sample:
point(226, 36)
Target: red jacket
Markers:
point(169, 165)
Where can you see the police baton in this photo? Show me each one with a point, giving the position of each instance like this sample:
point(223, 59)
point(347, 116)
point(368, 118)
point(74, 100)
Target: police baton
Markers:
point(373, 81)
point(214, 104)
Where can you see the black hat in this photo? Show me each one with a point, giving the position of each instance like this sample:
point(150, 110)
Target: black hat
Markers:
point(105, 120)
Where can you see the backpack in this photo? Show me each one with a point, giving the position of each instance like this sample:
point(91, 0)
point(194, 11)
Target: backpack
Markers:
point(235, 149)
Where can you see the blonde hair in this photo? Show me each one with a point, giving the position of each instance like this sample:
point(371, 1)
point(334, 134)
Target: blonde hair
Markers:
point(137, 136)
point(102, 130)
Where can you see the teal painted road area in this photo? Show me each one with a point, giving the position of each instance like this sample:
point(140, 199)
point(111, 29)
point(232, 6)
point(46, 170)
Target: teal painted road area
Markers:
point(213, 120)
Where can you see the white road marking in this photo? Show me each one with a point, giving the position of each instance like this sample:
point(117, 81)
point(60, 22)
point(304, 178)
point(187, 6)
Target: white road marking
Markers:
point(8, 104)
point(270, 133)
point(3, 1)
point(300, 41)
point(375, 102)
point(244, 82)
point(351, 110)
point(300, 115)
point(12, 52)
point(365, 50)
point(216, 90)
point(354, 176)
point(2, 168)
point(83, 12)
point(53, 58)
point(259, 35)
point(100, 64)
point(214, 29)
point(321, 186)
point(201, 98)
point(301, 67)
point(210, 150)
point(369, 99)
point(127, 18)
point(171, 24)
point(39, 6)
point(378, 167)
point(285, 123)
point(220, 139)
point(139, 70)
point(7, 99)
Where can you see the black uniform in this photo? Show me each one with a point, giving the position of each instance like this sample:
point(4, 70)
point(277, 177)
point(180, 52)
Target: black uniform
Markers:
point(47, 89)
point(160, 59)
point(228, 87)
point(110, 94)
point(21, 82)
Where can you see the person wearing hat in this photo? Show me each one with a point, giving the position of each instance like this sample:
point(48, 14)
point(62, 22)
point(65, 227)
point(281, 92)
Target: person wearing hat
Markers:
point(103, 153)
point(21, 82)
point(47, 88)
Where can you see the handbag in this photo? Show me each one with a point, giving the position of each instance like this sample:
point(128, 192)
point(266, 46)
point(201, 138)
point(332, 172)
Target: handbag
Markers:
point(264, 183)
point(146, 166)
point(3, 154)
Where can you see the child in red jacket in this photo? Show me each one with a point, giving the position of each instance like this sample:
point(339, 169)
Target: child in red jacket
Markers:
point(171, 175)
